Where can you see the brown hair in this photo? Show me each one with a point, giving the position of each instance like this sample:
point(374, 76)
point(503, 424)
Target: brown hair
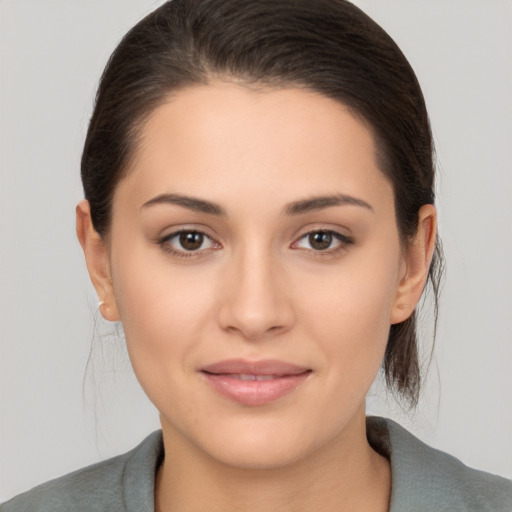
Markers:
point(327, 46)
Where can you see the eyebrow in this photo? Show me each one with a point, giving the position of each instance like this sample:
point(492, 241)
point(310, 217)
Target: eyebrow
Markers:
point(295, 208)
point(321, 202)
point(191, 203)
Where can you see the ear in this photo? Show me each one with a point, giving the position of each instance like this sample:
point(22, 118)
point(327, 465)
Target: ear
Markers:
point(97, 260)
point(418, 256)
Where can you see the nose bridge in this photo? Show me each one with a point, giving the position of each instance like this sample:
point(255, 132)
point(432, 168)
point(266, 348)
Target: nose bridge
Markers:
point(256, 301)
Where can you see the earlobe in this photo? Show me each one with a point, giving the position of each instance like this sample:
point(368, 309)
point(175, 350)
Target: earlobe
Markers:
point(97, 260)
point(418, 256)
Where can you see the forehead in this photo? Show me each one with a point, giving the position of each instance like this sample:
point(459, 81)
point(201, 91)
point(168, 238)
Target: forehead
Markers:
point(280, 143)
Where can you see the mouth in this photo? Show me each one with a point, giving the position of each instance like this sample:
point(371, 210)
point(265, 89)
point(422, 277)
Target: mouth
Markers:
point(254, 383)
point(247, 377)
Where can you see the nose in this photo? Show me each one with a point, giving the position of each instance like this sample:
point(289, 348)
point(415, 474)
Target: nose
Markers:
point(255, 302)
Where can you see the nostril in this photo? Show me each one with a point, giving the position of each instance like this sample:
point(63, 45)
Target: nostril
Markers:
point(253, 327)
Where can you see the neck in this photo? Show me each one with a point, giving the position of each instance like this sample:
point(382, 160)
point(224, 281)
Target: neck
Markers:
point(345, 474)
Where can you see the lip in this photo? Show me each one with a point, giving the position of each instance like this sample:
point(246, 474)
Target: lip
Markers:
point(254, 383)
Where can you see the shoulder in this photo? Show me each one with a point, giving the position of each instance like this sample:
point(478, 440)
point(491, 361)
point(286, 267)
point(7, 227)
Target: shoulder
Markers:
point(427, 479)
point(120, 484)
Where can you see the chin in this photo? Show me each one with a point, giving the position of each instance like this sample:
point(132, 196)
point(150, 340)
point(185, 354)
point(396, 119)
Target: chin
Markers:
point(264, 443)
point(261, 454)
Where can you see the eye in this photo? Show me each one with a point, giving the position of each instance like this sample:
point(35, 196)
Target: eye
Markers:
point(323, 241)
point(185, 242)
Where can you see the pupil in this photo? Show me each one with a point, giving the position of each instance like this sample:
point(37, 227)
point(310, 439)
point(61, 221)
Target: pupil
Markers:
point(320, 241)
point(191, 240)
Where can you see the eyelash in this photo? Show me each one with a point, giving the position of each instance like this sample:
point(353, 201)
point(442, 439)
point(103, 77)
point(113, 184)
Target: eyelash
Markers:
point(166, 244)
point(343, 242)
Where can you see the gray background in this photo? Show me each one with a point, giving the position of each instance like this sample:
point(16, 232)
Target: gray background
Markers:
point(55, 416)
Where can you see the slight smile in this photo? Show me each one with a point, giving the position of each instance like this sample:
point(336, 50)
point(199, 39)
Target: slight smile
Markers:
point(254, 383)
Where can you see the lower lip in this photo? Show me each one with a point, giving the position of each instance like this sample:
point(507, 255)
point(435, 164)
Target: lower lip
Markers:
point(255, 392)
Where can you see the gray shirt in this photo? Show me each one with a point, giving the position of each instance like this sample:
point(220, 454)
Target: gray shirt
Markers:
point(423, 479)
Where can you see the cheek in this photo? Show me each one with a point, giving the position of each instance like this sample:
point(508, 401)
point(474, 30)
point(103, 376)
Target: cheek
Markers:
point(349, 309)
point(162, 310)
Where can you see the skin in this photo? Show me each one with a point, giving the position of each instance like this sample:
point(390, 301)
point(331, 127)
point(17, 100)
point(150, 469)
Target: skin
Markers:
point(258, 288)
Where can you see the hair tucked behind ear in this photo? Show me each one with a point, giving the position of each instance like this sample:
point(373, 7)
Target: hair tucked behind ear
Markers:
point(327, 46)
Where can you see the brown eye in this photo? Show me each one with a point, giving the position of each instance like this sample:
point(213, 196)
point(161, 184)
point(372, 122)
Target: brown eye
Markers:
point(188, 243)
point(323, 241)
point(191, 240)
point(320, 240)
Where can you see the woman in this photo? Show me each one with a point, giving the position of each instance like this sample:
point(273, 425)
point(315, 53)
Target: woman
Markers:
point(259, 216)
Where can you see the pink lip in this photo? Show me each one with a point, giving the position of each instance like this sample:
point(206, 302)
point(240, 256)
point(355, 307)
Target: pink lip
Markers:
point(278, 379)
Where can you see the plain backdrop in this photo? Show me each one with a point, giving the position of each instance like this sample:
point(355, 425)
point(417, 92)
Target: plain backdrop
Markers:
point(58, 412)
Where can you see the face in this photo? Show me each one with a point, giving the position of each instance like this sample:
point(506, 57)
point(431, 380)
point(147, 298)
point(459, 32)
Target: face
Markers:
point(256, 268)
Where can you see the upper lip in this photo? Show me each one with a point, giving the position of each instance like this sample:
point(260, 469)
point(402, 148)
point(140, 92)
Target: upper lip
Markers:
point(262, 367)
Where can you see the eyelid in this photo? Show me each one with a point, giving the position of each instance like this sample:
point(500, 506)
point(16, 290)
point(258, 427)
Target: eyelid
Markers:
point(343, 241)
point(164, 242)
point(173, 230)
